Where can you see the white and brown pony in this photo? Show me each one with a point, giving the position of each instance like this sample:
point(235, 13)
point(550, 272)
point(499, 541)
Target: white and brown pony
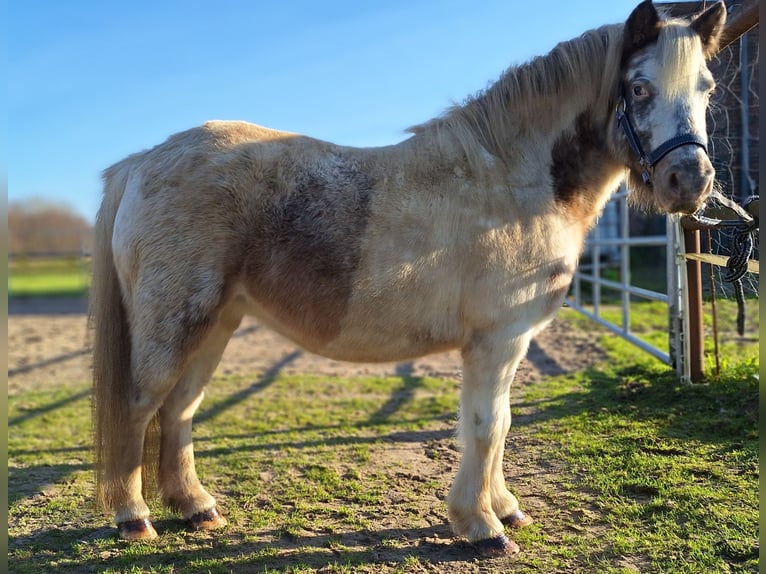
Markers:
point(464, 236)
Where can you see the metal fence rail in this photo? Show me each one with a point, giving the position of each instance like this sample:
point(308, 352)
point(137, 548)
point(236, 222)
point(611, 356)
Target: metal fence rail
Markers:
point(617, 245)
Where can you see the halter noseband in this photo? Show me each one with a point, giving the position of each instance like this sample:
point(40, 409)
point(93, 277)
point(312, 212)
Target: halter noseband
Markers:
point(648, 161)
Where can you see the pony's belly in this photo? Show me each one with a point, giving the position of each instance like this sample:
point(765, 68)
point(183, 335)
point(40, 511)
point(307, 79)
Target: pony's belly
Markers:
point(377, 347)
point(373, 341)
point(397, 325)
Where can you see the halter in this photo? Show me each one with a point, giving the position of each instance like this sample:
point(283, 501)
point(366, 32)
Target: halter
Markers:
point(648, 161)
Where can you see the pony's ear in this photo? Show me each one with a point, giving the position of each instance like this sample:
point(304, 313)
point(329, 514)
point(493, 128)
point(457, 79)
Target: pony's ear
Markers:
point(641, 29)
point(709, 26)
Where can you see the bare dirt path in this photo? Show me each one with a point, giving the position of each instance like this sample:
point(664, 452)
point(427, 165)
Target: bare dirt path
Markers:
point(53, 348)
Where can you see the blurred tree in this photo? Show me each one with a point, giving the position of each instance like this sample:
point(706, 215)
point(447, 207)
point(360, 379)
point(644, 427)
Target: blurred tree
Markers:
point(42, 227)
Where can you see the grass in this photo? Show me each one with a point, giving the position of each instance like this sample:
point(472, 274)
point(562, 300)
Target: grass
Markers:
point(667, 473)
point(624, 469)
point(649, 322)
point(48, 277)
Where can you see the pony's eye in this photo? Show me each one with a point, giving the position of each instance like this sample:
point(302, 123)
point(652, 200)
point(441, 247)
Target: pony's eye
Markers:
point(639, 91)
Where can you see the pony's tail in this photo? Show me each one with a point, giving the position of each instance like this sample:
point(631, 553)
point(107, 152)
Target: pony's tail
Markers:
point(110, 331)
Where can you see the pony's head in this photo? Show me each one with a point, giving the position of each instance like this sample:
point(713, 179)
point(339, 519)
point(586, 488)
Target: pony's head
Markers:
point(663, 96)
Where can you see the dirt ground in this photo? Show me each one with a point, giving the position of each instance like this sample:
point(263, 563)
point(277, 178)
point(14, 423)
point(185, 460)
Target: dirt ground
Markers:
point(52, 347)
point(49, 349)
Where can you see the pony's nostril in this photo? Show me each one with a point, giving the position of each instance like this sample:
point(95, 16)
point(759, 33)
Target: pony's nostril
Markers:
point(673, 180)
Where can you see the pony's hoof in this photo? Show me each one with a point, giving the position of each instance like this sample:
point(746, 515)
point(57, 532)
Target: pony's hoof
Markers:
point(517, 519)
point(140, 529)
point(497, 546)
point(208, 520)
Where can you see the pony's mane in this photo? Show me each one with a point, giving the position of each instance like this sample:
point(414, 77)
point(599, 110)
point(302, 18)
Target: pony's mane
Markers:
point(678, 48)
point(544, 92)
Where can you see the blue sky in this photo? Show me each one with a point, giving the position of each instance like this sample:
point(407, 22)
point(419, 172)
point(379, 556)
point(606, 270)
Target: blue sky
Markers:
point(90, 82)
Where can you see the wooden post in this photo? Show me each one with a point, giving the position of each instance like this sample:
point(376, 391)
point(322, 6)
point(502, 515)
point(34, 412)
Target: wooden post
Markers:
point(694, 297)
point(744, 16)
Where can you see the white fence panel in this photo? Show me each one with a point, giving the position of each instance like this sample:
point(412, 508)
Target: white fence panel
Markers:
point(609, 245)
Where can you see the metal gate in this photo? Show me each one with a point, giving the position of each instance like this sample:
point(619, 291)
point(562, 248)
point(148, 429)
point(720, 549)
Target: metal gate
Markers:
point(609, 242)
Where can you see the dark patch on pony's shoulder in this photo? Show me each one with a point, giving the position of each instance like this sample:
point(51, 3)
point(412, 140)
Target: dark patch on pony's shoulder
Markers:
point(573, 157)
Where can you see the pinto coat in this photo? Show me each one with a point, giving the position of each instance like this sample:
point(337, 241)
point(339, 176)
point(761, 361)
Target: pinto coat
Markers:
point(464, 236)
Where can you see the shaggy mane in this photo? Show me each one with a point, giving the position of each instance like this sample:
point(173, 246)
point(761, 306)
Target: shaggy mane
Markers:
point(546, 91)
point(678, 49)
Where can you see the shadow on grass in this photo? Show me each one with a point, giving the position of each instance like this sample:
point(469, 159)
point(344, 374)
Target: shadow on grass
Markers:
point(31, 481)
point(28, 481)
point(233, 553)
point(711, 413)
point(266, 380)
point(377, 435)
point(45, 409)
point(542, 361)
point(399, 397)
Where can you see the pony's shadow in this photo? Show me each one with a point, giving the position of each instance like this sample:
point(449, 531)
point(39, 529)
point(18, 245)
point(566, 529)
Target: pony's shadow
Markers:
point(25, 482)
point(434, 544)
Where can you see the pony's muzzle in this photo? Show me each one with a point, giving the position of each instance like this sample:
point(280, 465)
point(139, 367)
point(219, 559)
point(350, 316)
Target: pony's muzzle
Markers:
point(683, 180)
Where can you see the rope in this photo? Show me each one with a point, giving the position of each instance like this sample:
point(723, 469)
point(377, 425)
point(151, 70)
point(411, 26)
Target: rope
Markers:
point(743, 241)
point(741, 250)
point(736, 267)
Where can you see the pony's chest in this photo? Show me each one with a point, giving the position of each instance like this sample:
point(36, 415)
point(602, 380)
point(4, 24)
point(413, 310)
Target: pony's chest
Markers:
point(521, 274)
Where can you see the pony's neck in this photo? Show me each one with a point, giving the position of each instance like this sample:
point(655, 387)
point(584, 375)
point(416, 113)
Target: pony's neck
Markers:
point(532, 104)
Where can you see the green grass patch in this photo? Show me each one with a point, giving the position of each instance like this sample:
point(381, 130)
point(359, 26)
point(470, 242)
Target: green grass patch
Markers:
point(625, 470)
point(649, 322)
point(48, 277)
point(666, 474)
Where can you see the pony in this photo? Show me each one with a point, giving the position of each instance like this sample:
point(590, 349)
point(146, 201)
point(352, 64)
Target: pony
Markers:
point(463, 236)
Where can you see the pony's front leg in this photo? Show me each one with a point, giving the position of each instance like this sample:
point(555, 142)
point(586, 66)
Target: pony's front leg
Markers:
point(479, 499)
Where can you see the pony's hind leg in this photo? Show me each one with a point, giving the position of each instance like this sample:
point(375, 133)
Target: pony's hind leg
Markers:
point(166, 331)
point(122, 476)
point(155, 369)
point(180, 487)
point(479, 498)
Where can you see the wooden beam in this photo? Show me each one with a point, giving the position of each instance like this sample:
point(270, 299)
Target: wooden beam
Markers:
point(743, 18)
point(720, 260)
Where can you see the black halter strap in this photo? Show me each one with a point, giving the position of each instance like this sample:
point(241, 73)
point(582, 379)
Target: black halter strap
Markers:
point(648, 161)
